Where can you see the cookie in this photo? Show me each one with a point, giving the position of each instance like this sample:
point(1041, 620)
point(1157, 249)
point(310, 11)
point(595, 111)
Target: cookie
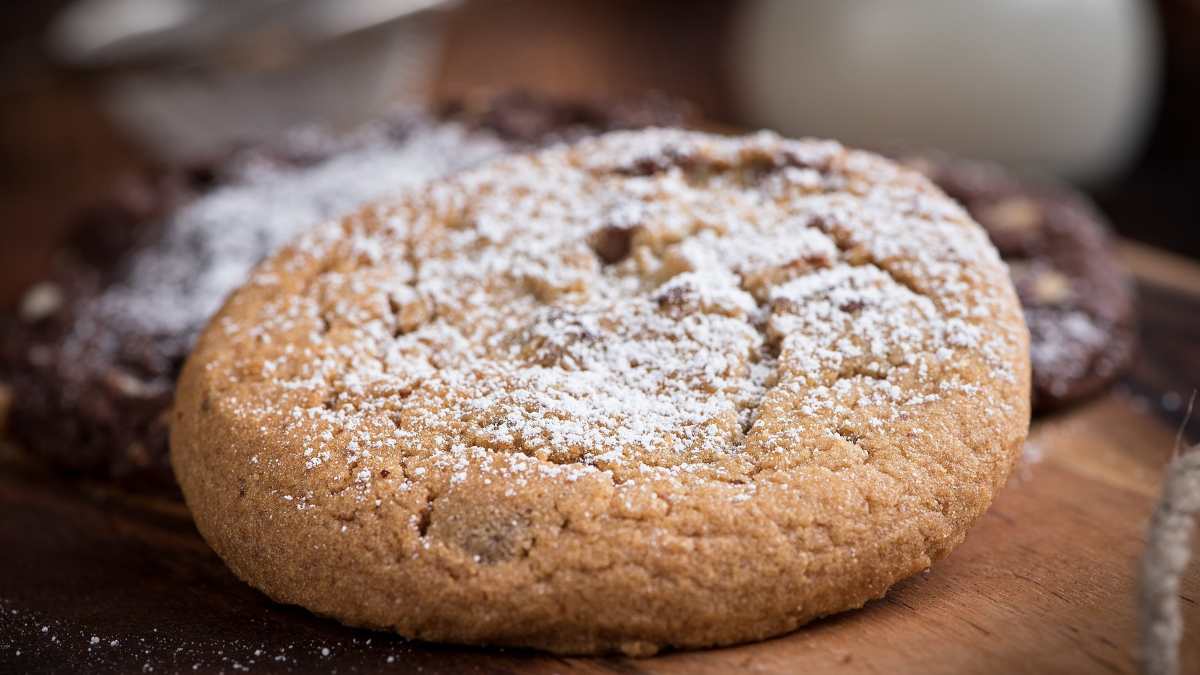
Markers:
point(92, 356)
point(525, 119)
point(1078, 298)
point(76, 406)
point(654, 389)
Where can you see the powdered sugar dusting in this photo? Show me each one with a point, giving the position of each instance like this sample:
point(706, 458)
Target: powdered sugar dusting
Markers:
point(1068, 339)
point(646, 306)
point(208, 248)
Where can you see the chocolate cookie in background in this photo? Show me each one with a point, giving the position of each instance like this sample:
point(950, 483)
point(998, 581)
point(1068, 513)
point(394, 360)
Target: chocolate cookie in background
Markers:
point(1077, 297)
point(69, 407)
point(520, 117)
point(91, 357)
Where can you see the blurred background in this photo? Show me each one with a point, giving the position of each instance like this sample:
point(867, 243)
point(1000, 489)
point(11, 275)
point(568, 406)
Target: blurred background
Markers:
point(1104, 94)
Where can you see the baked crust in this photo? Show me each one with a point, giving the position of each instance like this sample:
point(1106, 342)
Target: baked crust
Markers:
point(652, 389)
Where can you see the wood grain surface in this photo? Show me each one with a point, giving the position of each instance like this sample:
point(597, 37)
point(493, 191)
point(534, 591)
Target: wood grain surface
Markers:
point(96, 580)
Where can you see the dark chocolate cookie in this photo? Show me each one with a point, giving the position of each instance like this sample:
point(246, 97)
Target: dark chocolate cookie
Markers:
point(1077, 297)
point(91, 357)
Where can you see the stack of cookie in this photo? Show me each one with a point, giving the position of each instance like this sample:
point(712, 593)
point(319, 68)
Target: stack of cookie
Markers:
point(94, 351)
point(645, 389)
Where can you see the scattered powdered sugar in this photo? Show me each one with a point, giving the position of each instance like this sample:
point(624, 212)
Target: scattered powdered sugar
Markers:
point(1067, 339)
point(208, 247)
point(31, 642)
point(631, 306)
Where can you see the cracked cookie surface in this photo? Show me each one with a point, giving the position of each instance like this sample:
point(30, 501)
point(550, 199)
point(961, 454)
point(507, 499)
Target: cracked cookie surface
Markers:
point(653, 389)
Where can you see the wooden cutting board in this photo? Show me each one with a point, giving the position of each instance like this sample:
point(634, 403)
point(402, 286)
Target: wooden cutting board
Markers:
point(95, 580)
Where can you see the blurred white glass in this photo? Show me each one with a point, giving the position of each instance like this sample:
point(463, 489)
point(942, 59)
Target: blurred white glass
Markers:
point(190, 77)
point(1064, 86)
